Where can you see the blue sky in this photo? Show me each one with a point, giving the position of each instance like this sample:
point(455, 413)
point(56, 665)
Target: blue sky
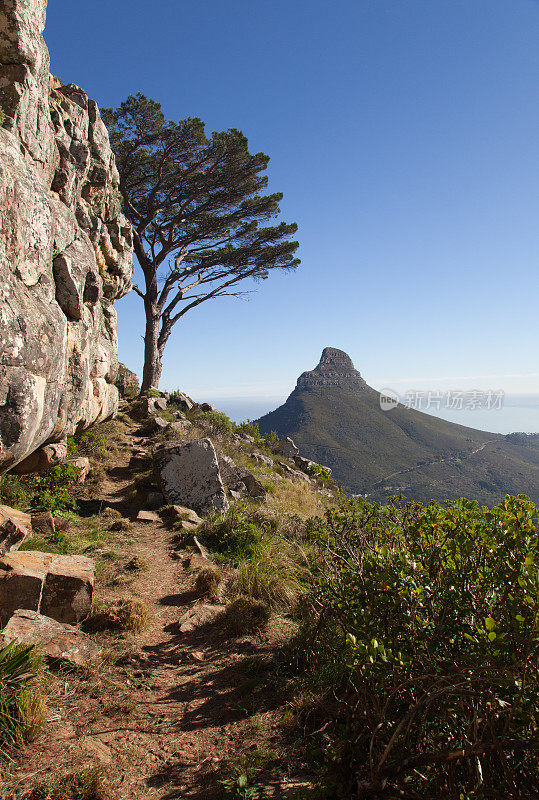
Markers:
point(403, 134)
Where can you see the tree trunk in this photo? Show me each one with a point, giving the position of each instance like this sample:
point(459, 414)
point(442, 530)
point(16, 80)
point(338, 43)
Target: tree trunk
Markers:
point(152, 353)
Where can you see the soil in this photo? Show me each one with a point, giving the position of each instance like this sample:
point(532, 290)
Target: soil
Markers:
point(171, 714)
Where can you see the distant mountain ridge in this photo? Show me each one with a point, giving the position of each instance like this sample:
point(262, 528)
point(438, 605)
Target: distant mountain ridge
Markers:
point(335, 418)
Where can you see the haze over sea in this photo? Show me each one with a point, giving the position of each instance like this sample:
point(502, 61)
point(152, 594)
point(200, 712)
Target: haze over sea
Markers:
point(519, 412)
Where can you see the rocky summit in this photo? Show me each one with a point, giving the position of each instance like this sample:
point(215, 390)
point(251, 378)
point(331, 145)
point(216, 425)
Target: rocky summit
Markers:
point(65, 252)
point(335, 368)
point(335, 418)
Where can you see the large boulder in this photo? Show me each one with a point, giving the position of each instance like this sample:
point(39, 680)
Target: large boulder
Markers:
point(58, 586)
point(188, 475)
point(65, 252)
point(56, 641)
point(15, 527)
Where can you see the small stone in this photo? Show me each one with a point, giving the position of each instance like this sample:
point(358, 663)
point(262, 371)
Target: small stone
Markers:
point(148, 516)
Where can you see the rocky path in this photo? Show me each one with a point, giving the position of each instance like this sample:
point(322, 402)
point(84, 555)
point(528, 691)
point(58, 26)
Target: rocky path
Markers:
point(176, 708)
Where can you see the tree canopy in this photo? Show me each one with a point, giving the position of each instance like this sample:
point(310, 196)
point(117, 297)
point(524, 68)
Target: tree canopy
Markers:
point(199, 215)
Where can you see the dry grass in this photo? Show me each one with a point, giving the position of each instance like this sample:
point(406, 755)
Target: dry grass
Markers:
point(84, 785)
point(297, 499)
point(208, 581)
point(127, 614)
point(272, 573)
point(245, 615)
point(32, 712)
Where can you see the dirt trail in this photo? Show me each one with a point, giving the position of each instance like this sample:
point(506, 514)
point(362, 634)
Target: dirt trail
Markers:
point(190, 699)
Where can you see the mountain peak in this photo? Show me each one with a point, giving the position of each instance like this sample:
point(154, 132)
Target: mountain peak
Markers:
point(335, 368)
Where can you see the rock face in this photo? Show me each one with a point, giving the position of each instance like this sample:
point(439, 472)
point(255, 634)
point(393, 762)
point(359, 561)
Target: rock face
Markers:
point(65, 252)
point(189, 475)
point(335, 368)
point(127, 382)
point(60, 587)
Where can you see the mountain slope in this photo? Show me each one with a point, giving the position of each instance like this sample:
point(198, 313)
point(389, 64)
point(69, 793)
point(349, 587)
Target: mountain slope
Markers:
point(335, 418)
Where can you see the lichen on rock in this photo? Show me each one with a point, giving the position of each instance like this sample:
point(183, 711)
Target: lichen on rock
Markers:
point(65, 252)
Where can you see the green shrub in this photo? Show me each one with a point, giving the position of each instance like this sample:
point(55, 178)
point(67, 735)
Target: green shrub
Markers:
point(152, 393)
point(48, 490)
point(271, 440)
point(218, 421)
point(22, 710)
point(426, 643)
point(250, 428)
point(235, 534)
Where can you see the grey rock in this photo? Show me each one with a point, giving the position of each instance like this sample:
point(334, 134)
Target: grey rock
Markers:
point(56, 641)
point(205, 407)
point(183, 402)
point(239, 481)
point(82, 464)
point(65, 253)
point(189, 475)
point(287, 448)
point(262, 459)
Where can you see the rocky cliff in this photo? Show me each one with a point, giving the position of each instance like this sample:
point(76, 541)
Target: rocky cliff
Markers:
point(65, 251)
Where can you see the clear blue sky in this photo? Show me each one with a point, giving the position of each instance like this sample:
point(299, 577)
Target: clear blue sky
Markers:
point(404, 136)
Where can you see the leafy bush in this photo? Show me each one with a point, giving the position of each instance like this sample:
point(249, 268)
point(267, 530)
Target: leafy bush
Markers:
point(48, 490)
point(249, 428)
point(426, 643)
point(21, 709)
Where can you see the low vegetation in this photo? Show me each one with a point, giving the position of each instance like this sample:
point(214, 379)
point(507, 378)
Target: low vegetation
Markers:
point(22, 709)
point(422, 641)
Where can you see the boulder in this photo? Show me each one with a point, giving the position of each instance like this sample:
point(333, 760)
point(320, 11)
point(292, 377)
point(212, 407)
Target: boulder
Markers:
point(15, 527)
point(183, 402)
point(239, 481)
point(287, 448)
point(262, 459)
point(58, 586)
point(155, 425)
point(189, 475)
point(205, 407)
point(200, 614)
point(56, 641)
point(65, 253)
